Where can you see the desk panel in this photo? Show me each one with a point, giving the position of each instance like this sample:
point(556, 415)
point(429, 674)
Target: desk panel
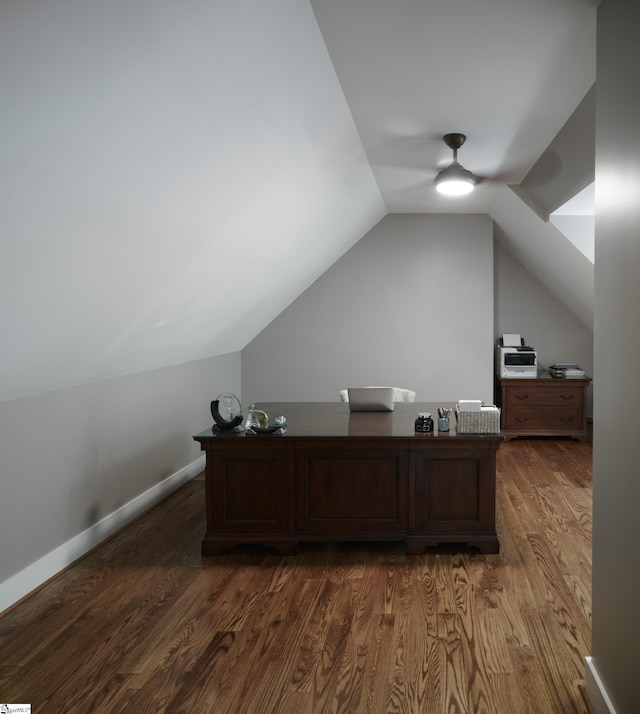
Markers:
point(351, 490)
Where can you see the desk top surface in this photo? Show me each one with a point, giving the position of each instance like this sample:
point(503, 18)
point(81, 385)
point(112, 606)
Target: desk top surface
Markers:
point(333, 419)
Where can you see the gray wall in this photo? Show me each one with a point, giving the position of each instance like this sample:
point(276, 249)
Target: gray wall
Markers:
point(410, 305)
point(616, 527)
point(72, 457)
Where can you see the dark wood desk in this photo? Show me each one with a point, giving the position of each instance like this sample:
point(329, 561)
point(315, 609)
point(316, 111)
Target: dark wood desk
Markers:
point(341, 476)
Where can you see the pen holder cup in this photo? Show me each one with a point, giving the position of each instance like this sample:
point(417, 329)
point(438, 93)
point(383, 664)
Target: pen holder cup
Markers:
point(443, 423)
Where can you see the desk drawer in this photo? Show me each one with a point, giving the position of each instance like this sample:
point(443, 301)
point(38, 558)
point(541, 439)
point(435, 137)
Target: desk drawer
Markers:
point(556, 419)
point(544, 395)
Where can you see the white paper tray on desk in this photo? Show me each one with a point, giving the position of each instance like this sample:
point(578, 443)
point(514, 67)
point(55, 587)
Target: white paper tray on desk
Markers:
point(486, 421)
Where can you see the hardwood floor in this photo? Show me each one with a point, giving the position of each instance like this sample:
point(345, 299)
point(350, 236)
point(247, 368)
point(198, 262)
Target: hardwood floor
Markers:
point(144, 624)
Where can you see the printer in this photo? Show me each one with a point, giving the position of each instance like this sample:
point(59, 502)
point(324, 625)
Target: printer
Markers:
point(515, 359)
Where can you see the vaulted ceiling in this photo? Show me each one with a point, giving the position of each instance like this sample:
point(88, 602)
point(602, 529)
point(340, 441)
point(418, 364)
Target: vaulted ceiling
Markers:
point(507, 73)
point(173, 175)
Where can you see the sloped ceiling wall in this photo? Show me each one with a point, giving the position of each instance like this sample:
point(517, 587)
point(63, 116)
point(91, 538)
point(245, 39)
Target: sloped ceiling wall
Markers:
point(567, 166)
point(173, 176)
point(521, 214)
point(553, 259)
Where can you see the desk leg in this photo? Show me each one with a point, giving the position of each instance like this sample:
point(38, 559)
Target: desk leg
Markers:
point(486, 543)
point(215, 545)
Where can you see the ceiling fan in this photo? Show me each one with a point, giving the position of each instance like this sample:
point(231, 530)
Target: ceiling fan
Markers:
point(418, 154)
point(455, 180)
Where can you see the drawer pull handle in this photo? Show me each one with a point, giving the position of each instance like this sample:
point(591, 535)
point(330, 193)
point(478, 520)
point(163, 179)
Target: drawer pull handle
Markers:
point(522, 397)
point(566, 397)
point(566, 419)
point(521, 420)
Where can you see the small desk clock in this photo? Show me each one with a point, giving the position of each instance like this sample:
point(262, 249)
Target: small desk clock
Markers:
point(226, 412)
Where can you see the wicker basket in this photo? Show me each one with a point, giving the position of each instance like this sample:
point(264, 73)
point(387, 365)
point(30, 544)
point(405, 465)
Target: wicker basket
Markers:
point(486, 421)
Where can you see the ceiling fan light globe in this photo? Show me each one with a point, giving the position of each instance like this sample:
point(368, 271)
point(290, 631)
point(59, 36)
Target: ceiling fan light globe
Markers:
point(455, 187)
point(455, 181)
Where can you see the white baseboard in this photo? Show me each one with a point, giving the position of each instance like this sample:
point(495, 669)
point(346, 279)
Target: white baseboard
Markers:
point(22, 583)
point(598, 697)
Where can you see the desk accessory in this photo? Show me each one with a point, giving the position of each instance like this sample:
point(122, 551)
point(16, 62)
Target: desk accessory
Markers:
point(226, 411)
point(484, 421)
point(424, 422)
point(443, 418)
point(258, 422)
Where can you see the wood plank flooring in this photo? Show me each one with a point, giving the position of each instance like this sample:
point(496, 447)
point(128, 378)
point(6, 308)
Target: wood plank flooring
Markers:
point(144, 624)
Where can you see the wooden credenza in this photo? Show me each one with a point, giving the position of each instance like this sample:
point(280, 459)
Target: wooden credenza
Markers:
point(338, 476)
point(544, 406)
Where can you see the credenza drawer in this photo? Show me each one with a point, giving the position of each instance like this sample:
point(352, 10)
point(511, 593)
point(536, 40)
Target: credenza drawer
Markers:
point(557, 419)
point(563, 394)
